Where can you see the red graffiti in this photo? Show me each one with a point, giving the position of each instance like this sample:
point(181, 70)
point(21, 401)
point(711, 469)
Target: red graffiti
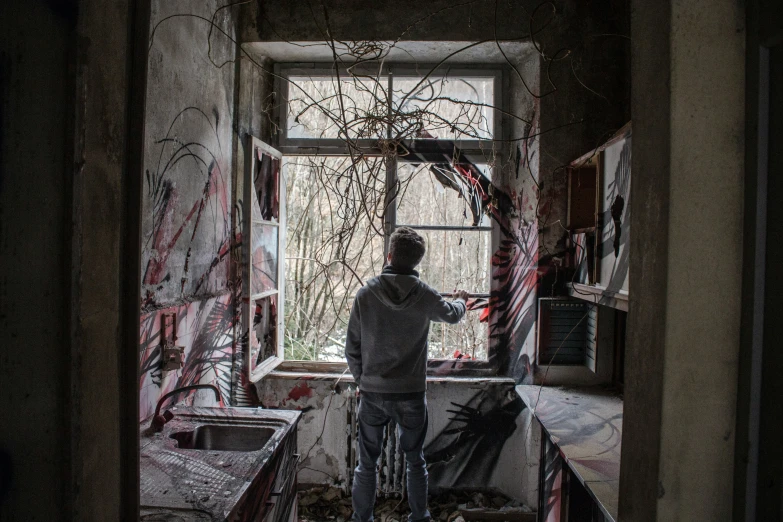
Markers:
point(164, 240)
point(299, 391)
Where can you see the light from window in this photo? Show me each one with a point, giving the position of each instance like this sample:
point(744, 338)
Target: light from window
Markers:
point(433, 195)
point(357, 107)
point(450, 107)
point(334, 239)
point(315, 111)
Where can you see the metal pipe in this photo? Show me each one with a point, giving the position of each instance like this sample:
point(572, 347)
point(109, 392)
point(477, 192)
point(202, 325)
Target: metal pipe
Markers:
point(159, 420)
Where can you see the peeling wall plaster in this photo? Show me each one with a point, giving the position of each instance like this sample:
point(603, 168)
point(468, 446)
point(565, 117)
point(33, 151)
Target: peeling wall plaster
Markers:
point(479, 435)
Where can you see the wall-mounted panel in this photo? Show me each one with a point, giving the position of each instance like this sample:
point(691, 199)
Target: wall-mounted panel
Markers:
point(614, 218)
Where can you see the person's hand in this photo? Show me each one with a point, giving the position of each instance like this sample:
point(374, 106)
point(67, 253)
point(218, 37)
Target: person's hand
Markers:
point(461, 294)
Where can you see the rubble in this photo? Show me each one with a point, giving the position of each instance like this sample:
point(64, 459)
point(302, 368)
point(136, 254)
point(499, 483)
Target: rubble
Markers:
point(326, 504)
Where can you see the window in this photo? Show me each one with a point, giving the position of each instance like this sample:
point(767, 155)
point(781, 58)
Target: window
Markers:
point(451, 106)
point(366, 152)
point(437, 200)
point(263, 244)
point(366, 105)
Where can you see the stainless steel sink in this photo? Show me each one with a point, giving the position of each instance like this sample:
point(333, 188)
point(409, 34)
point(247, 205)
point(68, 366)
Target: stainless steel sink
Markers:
point(224, 438)
point(208, 459)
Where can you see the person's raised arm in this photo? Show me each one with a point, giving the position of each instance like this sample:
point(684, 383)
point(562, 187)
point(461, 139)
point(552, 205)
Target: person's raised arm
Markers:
point(451, 312)
point(353, 343)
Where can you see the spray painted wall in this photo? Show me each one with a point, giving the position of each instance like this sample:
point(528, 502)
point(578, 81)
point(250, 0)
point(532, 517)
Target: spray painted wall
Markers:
point(607, 247)
point(551, 130)
point(476, 435)
point(553, 471)
point(615, 215)
point(569, 93)
point(187, 220)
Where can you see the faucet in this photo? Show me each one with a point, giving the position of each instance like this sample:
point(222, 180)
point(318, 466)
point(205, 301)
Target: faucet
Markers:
point(158, 420)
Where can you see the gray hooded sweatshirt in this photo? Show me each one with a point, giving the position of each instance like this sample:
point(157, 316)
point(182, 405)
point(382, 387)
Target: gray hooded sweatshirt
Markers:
point(386, 346)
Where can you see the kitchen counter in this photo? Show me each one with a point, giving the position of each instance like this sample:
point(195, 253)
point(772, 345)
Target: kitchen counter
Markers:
point(586, 424)
point(218, 483)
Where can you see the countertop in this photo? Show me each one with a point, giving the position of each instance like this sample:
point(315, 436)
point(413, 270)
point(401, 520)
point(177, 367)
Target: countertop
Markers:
point(586, 423)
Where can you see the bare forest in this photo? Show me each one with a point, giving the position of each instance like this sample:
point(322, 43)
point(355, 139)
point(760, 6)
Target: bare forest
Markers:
point(337, 206)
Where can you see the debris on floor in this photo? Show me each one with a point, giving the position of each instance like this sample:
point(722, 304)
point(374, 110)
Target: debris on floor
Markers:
point(321, 504)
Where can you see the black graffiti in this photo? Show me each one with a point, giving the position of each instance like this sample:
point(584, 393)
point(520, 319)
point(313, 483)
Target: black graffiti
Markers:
point(467, 450)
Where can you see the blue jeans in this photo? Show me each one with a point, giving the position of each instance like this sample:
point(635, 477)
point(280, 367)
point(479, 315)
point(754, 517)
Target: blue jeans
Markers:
point(411, 419)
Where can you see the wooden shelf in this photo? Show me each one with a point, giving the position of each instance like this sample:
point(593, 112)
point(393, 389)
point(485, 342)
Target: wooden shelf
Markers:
point(599, 295)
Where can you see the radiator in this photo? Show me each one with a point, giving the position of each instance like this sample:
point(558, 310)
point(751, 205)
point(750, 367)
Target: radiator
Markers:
point(391, 467)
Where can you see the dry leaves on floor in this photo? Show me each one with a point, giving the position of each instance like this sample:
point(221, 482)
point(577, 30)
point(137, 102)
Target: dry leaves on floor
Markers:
point(323, 504)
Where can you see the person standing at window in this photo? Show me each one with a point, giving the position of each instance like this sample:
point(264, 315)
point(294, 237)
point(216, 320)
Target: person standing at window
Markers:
point(386, 349)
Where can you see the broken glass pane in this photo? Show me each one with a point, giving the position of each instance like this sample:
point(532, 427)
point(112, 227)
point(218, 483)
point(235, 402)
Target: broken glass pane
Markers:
point(263, 341)
point(266, 205)
point(439, 194)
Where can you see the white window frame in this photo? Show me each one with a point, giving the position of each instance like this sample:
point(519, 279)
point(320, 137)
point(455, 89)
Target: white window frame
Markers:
point(472, 150)
point(336, 146)
point(257, 372)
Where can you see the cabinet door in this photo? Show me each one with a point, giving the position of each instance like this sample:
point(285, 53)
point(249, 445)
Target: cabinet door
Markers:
point(283, 499)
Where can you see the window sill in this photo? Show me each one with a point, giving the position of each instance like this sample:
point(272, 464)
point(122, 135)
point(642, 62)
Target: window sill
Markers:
point(435, 368)
point(346, 377)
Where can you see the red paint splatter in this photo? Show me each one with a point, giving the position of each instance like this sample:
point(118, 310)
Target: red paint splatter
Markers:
point(299, 391)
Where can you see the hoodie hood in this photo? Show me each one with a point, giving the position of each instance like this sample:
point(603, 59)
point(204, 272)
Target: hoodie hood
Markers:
point(397, 289)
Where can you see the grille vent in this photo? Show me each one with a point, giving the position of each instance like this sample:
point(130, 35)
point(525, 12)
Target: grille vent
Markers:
point(563, 332)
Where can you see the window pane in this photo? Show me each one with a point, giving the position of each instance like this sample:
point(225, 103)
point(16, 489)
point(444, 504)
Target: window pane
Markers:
point(446, 107)
point(263, 262)
point(433, 194)
point(334, 236)
point(468, 338)
point(456, 260)
point(314, 109)
point(266, 204)
point(263, 340)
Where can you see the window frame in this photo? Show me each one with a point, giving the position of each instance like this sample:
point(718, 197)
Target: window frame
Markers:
point(472, 150)
point(336, 146)
point(257, 372)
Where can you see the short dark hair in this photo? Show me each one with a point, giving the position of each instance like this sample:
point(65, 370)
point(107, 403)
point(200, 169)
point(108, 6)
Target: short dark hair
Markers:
point(407, 248)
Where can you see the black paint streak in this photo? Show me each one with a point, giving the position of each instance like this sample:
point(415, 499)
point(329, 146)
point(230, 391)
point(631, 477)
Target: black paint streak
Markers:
point(466, 452)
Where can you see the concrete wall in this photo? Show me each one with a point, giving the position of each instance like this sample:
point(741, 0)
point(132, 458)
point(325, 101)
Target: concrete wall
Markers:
point(34, 251)
point(683, 323)
point(704, 286)
point(63, 192)
point(187, 212)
